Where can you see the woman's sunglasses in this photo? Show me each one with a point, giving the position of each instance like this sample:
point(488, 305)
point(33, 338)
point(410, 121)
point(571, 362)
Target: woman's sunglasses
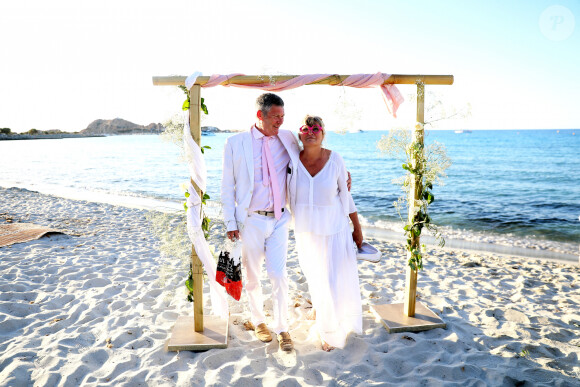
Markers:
point(310, 129)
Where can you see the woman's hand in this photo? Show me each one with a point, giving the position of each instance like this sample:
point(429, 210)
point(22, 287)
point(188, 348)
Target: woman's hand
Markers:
point(357, 236)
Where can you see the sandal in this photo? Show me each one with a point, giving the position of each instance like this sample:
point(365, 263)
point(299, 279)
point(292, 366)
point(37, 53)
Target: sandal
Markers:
point(285, 341)
point(263, 333)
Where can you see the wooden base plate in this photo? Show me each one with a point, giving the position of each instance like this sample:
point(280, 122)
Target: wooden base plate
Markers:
point(185, 338)
point(393, 318)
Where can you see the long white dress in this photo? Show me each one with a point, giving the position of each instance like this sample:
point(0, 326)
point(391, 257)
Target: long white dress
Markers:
point(325, 250)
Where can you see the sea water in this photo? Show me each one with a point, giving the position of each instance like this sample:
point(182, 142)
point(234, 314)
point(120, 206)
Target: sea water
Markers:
point(512, 187)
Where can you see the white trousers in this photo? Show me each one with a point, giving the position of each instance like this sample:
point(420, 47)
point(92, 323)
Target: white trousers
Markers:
point(266, 239)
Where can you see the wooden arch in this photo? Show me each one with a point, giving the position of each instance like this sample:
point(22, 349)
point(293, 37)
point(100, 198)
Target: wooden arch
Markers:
point(408, 316)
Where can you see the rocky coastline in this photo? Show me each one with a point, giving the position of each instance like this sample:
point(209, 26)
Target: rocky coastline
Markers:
point(100, 128)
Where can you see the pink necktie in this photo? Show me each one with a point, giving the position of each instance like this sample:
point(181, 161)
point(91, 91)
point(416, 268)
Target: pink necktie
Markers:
point(269, 176)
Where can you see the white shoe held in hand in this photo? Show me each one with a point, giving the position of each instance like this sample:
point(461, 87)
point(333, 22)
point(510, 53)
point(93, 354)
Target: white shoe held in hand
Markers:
point(367, 252)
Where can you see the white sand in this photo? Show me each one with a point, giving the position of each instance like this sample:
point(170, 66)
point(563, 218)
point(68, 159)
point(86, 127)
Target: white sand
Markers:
point(62, 298)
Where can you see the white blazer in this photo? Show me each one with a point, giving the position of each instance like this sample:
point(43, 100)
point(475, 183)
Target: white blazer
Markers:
point(238, 174)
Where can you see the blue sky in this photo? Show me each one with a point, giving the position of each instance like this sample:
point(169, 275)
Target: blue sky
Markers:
point(66, 63)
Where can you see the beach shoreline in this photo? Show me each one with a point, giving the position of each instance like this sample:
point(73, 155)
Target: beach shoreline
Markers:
point(457, 239)
point(58, 136)
point(95, 306)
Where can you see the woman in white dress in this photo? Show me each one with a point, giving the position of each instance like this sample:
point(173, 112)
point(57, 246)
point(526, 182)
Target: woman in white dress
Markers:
point(322, 205)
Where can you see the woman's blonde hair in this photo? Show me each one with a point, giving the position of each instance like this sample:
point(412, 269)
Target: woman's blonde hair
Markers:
point(311, 120)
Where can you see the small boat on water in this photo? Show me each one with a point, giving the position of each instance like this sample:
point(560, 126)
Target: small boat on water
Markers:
point(463, 131)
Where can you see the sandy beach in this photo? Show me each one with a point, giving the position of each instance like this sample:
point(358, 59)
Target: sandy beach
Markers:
point(95, 306)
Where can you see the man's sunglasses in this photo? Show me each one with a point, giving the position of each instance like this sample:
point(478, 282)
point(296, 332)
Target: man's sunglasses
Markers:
point(310, 129)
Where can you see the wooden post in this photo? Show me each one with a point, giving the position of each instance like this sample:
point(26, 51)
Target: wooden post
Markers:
point(414, 194)
point(195, 128)
point(197, 333)
point(411, 316)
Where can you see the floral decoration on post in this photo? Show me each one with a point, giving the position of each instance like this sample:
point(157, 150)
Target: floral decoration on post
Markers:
point(425, 166)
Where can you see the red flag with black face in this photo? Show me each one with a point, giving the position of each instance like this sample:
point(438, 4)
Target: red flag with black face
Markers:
point(229, 273)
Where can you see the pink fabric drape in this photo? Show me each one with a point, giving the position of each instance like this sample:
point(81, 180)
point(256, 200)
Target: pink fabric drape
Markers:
point(391, 94)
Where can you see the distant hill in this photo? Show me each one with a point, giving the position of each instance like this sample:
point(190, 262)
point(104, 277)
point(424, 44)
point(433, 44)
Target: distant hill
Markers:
point(120, 126)
point(98, 128)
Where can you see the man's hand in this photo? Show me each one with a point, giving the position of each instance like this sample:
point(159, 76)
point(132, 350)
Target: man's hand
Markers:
point(349, 181)
point(234, 235)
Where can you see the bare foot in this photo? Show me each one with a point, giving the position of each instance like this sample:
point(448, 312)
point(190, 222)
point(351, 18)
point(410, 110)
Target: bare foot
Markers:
point(311, 315)
point(326, 347)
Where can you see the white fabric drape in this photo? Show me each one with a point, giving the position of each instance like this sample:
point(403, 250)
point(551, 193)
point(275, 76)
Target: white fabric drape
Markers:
point(198, 172)
point(195, 160)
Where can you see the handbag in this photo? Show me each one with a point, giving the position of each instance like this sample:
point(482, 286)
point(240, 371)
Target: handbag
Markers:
point(222, 267)
point(229, 271)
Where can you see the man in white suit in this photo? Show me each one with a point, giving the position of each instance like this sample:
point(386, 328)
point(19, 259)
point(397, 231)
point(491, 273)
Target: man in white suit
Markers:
point(254, 200)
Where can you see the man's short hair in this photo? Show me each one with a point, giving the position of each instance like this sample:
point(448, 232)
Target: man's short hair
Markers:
point(265, 102)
